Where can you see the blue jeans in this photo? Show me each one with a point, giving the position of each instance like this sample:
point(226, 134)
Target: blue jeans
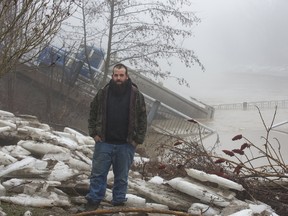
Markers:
point(120, 156)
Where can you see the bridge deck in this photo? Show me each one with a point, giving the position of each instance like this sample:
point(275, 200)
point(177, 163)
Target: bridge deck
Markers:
point(170, 118)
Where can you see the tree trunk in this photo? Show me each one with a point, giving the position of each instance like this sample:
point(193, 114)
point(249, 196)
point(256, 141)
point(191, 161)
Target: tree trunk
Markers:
point(108, 55)
point(49, 89)
point(11, 90)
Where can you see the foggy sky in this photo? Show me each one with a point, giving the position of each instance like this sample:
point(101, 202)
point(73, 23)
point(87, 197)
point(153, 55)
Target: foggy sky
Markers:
point(241, 32)
point(237, 36)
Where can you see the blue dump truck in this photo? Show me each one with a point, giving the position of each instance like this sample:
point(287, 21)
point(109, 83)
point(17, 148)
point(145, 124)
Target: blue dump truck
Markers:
point(75, 64)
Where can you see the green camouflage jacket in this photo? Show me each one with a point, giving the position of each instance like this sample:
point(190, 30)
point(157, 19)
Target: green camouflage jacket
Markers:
point(137, 117)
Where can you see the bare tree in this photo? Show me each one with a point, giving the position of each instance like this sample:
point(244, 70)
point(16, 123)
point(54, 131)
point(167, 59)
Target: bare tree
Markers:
point(141, 33)
point(25, 25)
point(80, 31)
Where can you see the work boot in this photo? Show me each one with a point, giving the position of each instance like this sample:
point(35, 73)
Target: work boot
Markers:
point(89, 206)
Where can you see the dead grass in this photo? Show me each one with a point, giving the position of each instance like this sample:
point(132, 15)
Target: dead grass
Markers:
point(18, 210)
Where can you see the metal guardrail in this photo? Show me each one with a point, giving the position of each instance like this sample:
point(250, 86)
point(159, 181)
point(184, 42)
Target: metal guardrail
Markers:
point(275, 127)
point(281, 104)
point(172, 122)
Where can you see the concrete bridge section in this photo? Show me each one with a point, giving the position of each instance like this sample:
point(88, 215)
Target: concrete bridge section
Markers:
point(168, 112)
point(78, 65)
point(192, 109)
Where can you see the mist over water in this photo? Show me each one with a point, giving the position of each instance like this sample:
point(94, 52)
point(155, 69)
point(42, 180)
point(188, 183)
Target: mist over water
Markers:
point(229, 123)
point(226, 88)
point(248, 87)
point(243, 45)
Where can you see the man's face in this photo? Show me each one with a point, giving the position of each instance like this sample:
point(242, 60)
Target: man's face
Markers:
point(119, 75)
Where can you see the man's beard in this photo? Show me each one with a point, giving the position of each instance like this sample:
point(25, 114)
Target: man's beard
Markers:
point(118, 88)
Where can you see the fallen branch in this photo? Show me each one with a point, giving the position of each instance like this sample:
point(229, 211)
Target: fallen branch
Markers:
point(146, 210)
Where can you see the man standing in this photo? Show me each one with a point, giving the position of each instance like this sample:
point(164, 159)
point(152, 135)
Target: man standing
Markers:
point(118, 123)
